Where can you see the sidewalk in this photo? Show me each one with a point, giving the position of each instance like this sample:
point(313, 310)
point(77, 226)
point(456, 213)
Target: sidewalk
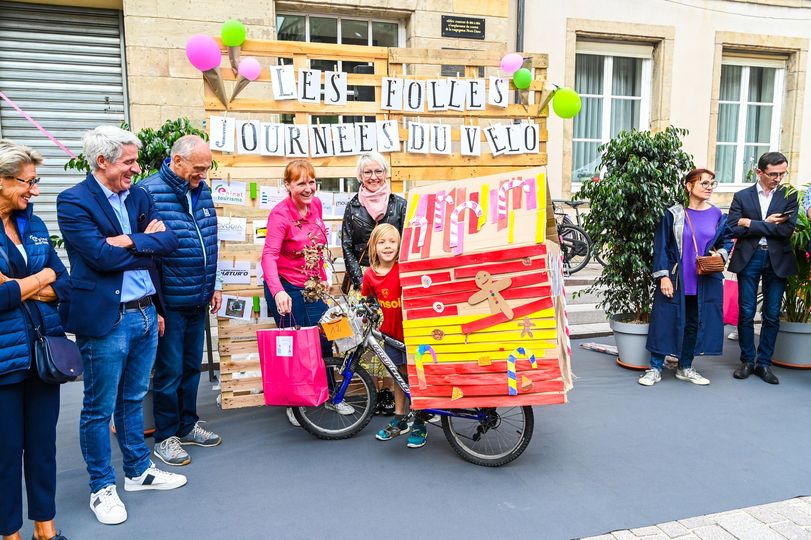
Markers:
point(789, 519)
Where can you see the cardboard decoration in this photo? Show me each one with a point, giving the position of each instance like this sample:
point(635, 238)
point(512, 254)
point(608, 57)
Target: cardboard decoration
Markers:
point(479, 304)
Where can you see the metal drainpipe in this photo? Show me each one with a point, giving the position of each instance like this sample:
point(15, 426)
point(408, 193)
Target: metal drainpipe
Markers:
point(519, 33)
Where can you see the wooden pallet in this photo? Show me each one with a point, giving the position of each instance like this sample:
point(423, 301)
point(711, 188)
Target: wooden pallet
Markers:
point(241, 382)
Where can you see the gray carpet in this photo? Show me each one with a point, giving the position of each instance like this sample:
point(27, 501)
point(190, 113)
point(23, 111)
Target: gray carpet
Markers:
point(617, 456)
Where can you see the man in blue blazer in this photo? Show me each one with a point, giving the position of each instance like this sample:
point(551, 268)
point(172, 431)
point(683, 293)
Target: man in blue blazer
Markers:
point(111, 234)
point(762, 219)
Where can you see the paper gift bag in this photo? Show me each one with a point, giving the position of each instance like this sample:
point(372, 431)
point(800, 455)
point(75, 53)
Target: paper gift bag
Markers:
point(293, 372)
point(731, 302)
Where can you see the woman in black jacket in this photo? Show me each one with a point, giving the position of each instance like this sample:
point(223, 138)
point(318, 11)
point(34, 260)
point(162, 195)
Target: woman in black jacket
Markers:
point(374, 204)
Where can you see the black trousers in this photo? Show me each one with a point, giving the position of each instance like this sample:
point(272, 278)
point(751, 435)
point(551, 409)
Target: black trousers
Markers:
point(28, 414)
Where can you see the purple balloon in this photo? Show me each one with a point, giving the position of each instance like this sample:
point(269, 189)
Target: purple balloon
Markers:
point(511, 63)
point(249, 68)
point(203, 52)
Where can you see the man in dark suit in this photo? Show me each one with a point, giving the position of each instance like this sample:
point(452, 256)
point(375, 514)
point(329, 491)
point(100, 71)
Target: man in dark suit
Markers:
point(111, 234)
point(762, 219)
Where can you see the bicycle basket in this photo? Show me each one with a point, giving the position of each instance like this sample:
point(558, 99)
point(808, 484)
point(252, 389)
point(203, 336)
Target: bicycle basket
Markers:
point(334, 322)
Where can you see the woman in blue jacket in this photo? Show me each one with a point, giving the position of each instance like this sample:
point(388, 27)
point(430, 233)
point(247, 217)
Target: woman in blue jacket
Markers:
point(31, 274)
point(687, 316)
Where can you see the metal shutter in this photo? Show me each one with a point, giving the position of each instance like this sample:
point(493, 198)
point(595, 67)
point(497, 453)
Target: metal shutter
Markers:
point(64, 66)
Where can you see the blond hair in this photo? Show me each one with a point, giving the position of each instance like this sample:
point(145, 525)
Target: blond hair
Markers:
point(379, 232)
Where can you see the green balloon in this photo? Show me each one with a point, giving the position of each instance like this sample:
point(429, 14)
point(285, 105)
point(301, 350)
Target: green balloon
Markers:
point(232, 33)
point(522, 78)
point(566, 103)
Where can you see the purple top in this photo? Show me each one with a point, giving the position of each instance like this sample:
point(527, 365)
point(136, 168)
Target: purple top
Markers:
point(705, 223)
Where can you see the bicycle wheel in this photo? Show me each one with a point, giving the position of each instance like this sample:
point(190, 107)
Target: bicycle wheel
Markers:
point(325, 423)
point(575, 245)
point(499, 438)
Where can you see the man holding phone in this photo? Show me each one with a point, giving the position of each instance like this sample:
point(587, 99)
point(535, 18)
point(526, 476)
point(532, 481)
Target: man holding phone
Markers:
point(762, 218)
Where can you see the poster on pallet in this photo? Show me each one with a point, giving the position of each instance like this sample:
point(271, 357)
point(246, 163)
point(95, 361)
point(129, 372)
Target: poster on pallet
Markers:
point(483, 299)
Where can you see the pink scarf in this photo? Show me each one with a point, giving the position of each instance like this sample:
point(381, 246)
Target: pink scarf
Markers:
point(375, 202)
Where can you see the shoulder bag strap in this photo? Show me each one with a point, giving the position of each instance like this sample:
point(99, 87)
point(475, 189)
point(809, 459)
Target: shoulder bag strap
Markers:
point(692, 232)
point(4, 255)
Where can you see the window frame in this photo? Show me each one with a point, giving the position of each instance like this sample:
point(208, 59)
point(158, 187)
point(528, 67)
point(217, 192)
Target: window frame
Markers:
point(608, 51)
point(339, 29)
point(778, 99)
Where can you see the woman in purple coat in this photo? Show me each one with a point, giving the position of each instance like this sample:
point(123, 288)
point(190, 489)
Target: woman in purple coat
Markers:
point(684, 301)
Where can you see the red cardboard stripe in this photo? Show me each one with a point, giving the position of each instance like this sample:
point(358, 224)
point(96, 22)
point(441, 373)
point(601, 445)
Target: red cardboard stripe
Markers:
point(428, 313)
point(415, 280)
point(500, 268)
point(473, 258)
point(482, 401)
point(499, 318)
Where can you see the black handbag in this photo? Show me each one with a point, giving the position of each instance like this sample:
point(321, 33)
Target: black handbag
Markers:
point(56, 358)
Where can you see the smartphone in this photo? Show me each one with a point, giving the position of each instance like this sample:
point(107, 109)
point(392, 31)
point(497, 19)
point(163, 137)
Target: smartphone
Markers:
point(784, 214)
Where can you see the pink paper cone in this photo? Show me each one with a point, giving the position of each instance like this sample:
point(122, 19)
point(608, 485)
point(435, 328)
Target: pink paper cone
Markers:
point(233, 56)
point(214, 81)
point(242, 82)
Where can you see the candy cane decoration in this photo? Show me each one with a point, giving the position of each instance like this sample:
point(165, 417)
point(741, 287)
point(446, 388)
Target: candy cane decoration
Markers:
point(439, 210)
point(420, 223)
point(512, 382)
point(502, 194)
point(421, 350)
point(455, 241)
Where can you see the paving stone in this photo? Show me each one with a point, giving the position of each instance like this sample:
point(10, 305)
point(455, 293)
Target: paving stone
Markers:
point(624, 535)
point(646, 531)
point(766, 513)
point(700, 521)
point(659, 536)
point(744, 526)
point(796, 511)
point(601, 537)
point(791, 531)
point(673, 529)
point(687, 537)
point(713, 532)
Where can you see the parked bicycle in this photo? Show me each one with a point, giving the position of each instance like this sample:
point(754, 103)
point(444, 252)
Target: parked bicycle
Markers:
point(490, 437)
point(575, 243)
point(565, 219)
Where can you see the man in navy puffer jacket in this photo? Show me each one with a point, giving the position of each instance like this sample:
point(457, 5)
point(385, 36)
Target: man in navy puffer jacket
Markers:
point(191, 285)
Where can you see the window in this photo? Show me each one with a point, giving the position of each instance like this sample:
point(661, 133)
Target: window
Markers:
point(614, 83)
point(749, 112)
point(343, 30)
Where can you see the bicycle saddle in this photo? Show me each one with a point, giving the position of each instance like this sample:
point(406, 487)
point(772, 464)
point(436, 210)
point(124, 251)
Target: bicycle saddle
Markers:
point(575, 204)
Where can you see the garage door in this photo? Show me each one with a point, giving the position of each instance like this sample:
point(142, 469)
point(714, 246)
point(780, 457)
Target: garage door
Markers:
point(64, 66)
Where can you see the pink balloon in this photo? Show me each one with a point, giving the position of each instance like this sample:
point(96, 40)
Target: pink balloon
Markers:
point(511, 63)
point(203, 52)
point(249, 68)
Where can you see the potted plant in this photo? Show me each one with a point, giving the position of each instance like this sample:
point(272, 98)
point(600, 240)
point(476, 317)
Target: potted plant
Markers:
point(155, 146)
point(642, 177)
point(794, 337)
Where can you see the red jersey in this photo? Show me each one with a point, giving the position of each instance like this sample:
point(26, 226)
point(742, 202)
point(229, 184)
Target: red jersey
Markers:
point(388, 292)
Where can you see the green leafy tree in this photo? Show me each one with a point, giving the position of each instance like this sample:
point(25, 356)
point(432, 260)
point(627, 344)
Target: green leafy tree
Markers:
point(155, 146)
point(797, 301)
point(643, 174)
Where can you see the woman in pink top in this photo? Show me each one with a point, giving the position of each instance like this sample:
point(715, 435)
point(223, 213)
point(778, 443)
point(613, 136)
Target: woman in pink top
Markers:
point(292, 260)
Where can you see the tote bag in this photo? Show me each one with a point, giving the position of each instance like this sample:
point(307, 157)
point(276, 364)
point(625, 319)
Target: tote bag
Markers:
point(293, 372)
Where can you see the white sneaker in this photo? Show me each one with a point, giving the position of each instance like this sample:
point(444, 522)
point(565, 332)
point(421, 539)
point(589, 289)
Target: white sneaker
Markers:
point(692, 376)
point(343, 408)
point(292, 418)
point(650, 377)
point(107, 506)
point(154, 478)
point(733, 336)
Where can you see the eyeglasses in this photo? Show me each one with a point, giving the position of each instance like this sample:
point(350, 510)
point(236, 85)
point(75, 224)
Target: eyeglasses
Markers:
point(31, 183)
point(709, 185)
point(777, 175)
point(376, 172)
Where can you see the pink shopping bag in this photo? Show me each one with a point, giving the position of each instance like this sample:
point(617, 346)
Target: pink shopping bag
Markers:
point(293, 372)
point(731, 302)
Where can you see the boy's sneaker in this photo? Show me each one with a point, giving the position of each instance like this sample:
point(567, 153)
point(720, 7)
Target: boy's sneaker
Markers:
point(395, 428)
point(170, 452)
point(154, 478)
point(419, 433)
point(650, 377)
point(292, 417)
point(107, 506)
point(343, 408)
point(200, 436)
point(692, 376)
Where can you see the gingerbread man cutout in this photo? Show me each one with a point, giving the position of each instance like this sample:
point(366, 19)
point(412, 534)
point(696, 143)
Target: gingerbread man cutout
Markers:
point(491, 291)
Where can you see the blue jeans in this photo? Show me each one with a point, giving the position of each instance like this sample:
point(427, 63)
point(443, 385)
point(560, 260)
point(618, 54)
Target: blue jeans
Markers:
point(177, 372)
point(116, 379)
point(773, 288)
point(688, 344)
point(302, 314)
